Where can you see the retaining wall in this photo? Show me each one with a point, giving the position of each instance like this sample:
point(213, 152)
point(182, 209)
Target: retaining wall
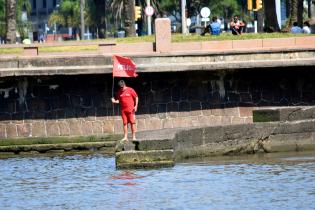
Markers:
point(80, 105)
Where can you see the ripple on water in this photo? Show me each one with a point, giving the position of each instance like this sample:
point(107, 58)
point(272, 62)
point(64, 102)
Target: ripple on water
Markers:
point(91, 182)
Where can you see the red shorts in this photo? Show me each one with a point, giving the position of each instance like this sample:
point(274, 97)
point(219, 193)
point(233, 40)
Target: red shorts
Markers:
point(128, 117)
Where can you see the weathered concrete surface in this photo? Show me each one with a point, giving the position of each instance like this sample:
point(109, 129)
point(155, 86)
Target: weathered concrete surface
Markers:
point(246, 139)
point(104, 147)
point(145, 159)
point(283, 114)
point(171, 62)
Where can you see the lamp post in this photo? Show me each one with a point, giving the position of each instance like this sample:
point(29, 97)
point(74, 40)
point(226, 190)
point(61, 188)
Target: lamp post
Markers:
point(183, 11)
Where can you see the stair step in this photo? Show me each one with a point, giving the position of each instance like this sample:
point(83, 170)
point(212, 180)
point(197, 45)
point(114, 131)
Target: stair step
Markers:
point(159, 144)
point(145, 159)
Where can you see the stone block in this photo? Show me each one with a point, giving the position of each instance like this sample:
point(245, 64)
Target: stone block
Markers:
point(237, 120)
point(247, 44)
point(97, 127)
point(108, 126)
point(180, 122)
point(24, 130)
point(86, 128)
point(158, 144)
point(163, 35)
point(30, 51)
point(190, 138)
point(295, 127)
point(226, 120)
point(279, 42)
point(64, 128)
point(142, 47)
point(153, 123)
point(11, 131)
point(75, 127)
point(52, 128)
point(216, 45)
point(38, 129)
point(145, 159)
point(186, 46)
point(140, 125)
point(213, 134)
point(167, 123)
point(306, 41)
point(3, 131)
point(246, 111)
point(193, 121)
point(118, 126)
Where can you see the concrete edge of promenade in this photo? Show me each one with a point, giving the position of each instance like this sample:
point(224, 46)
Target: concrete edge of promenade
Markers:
point(295, 132)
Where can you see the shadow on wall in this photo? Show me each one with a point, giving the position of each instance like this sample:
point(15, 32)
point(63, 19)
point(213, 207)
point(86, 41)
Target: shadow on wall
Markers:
point(162, 95)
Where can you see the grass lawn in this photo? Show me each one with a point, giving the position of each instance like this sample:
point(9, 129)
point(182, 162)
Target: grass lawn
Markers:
point(175, 38)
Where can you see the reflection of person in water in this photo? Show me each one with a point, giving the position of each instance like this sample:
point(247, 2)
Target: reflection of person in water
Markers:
point(127, 175)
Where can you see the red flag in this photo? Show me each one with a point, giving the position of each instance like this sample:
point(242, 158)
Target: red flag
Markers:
point(123, 67)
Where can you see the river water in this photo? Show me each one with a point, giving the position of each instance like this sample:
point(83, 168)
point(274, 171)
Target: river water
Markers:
point(282, 181)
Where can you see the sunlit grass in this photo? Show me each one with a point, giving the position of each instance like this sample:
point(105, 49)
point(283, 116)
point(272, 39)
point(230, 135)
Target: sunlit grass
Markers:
point(10, 51)
point(92, 45)
point(68, 48)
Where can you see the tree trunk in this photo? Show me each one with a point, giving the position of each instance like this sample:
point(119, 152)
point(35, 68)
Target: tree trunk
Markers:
point(11, 21)
point(293, 12)
point(129, 13)
point(271, 22)
point(260, 20)
point(300, 11)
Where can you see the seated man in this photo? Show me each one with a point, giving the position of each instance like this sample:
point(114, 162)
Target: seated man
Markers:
point(236, 26)
point(215, 26)
point(296, 29)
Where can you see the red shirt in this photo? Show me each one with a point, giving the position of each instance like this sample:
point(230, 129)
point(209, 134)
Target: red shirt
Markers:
point(127, 98)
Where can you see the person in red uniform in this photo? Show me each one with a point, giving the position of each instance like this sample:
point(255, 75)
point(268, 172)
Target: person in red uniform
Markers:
point(128, 100)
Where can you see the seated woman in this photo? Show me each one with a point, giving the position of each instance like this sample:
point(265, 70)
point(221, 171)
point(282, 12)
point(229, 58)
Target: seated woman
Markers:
point(236, 26)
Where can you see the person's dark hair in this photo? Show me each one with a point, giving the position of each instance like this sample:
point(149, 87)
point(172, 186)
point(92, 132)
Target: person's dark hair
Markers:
point(295, 24)
point(307, 24)
point(214, 19)
point(121, 83)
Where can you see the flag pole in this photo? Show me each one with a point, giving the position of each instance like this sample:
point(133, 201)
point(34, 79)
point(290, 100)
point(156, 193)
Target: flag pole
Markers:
point(113, 94)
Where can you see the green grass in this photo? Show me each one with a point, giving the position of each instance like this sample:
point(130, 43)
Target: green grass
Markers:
point(11, 51)
point(175, 38)
point(58, 140)
point(68, 49)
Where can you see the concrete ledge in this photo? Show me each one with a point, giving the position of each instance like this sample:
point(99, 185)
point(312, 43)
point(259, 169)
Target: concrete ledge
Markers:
point(43, 148)
point(159, 144)
point(144, 158)
point(100, 64)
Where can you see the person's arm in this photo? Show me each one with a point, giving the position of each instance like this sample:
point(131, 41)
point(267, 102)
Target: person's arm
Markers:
point(114, 101)
point(136, 103)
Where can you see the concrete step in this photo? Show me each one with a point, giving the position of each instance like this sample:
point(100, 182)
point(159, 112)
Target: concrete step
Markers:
point(145, 159)
point(158, 144)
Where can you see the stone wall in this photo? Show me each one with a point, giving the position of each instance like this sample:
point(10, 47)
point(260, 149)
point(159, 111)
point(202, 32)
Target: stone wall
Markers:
point(80, 105)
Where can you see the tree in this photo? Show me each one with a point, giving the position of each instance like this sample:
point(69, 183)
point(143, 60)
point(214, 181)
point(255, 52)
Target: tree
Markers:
point(23, 25)
point(2, 19)
point(10, 21)
point(129, 14)
point(271, 23)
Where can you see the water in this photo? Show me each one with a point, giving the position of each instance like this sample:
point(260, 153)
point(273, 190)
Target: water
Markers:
point(91, 182)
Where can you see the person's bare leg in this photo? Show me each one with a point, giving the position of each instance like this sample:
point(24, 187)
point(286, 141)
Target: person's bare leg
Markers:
point(133, 130)
point(125, 132)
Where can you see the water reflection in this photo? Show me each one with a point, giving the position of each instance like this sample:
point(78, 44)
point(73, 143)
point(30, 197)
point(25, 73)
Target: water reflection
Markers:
point(284, 181)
